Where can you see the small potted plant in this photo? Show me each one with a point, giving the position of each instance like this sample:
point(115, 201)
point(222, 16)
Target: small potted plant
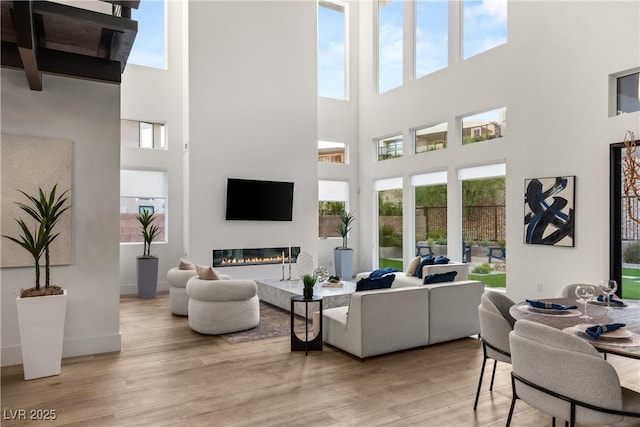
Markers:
point(343, 255)
point(308, 281)
point(41, 310)
point(147, 264)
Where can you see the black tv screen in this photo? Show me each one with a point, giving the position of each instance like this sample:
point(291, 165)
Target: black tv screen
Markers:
point(252, 200)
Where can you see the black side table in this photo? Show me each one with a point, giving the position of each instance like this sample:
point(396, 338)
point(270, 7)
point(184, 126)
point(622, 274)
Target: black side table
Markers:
point(296, 343)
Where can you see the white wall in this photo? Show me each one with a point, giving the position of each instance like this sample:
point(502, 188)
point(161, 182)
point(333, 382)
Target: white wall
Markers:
point(88, 114)
point(253, 114)
point(552, 76)
point(156, 95)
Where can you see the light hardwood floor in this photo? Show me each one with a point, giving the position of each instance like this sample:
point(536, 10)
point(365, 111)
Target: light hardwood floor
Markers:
point(167, 374)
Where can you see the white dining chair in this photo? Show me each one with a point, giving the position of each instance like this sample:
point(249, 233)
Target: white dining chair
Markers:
point(561, 375)
point(495, 325)
point(569, 291)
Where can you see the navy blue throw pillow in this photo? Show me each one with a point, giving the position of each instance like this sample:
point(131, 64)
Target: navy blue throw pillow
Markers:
point(441, 260)
point(379, 273)
point(440, 277)
point(428, 260)
point(367, 284)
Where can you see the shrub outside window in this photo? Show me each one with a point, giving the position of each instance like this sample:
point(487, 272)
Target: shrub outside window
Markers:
point(332, 200)
point(389, 148)
point(431, 138)
point(142, 190)
point(484, 126)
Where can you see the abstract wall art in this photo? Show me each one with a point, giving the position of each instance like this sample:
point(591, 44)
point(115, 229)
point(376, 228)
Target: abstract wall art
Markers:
point(549, 211)
point(28, 163)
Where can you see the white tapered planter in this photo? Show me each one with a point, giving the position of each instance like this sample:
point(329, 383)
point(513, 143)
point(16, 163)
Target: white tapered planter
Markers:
point(41, 324)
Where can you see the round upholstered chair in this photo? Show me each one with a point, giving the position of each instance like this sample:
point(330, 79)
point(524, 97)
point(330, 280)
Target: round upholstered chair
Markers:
point(222, 306)
point(178, 298)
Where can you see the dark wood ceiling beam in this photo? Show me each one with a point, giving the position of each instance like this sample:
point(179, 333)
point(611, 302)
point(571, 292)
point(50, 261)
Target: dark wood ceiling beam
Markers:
point(125, 29)
point(80, 66)
point(10, 55)
point(27, 48)
point(66, 64)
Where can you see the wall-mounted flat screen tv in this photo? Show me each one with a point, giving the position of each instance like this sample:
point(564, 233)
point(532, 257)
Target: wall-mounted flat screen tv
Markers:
point(252, 200)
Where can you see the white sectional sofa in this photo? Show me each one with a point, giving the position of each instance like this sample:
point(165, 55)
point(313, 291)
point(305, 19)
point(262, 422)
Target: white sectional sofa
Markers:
point(403, 280)
point(398, 318)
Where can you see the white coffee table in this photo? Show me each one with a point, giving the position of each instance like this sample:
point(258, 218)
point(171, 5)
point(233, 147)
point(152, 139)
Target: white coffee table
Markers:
point(279, 293)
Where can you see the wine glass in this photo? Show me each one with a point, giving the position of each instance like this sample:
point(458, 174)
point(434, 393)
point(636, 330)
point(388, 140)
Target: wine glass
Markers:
point(585, 293)
point(612, 287)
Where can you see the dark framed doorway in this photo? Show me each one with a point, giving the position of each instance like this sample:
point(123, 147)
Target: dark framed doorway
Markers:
point(624, 233)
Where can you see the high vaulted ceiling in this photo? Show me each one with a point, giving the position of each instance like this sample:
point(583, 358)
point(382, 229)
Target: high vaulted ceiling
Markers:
point(53, 38)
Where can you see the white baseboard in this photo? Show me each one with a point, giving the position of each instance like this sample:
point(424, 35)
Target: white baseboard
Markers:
point(132, 289)
point(12, 355)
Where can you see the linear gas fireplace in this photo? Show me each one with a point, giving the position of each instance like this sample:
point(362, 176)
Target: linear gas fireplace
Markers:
point(256, 256)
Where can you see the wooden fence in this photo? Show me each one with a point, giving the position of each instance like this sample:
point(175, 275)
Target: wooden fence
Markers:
point(478, 222)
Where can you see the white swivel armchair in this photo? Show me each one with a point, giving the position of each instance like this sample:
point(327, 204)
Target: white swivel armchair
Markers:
point(560, 374)
point(178, 298)
point(222, 306)
point(495, 325)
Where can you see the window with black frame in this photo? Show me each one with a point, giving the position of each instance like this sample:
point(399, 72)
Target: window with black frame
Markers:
point(624, 262)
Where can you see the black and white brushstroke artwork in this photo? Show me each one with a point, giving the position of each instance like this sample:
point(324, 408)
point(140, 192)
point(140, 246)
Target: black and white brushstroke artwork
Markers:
point(549, 211)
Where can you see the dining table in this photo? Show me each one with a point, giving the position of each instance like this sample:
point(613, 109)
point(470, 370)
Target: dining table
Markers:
point(624, 343)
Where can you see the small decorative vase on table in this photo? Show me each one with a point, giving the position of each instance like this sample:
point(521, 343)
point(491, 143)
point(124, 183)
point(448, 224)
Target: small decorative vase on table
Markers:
point(308, 281)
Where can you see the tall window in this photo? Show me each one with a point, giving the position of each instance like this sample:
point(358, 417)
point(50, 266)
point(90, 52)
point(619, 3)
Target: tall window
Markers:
point(624, 252)
point(149, 46)
point(431, 213)
point(389, 222)
point(432, 36)
point(484, 126)
point(484, 25)
point(431, 138)
point(628, 93)
point(389, 148)
point(142, 190)
point(332, 200)
point(332, 152)
point(389, 44)
point(331, 50)
point(483, 223)
point(142, 134)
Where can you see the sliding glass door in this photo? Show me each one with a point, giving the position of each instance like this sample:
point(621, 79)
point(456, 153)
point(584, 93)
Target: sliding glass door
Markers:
point(624, 258)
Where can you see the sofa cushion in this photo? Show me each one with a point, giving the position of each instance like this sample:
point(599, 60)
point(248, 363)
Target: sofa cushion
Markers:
point(413, 265)
point(207, 273)
point(449, 276)
point(185, 264)
point(368, 284)
point(428, 260)
point(375, 274)
point(441, 260)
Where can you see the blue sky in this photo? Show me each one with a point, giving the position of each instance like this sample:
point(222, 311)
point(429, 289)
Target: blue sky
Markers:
point(484, 23)
point(149, 46)
point(331, 53)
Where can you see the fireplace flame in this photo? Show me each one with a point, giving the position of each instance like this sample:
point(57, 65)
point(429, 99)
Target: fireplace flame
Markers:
point(254, 260)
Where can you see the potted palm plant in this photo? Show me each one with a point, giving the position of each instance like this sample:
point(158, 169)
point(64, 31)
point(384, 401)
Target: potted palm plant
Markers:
point(147, 264)
point(41, 310)
point(343, 255)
